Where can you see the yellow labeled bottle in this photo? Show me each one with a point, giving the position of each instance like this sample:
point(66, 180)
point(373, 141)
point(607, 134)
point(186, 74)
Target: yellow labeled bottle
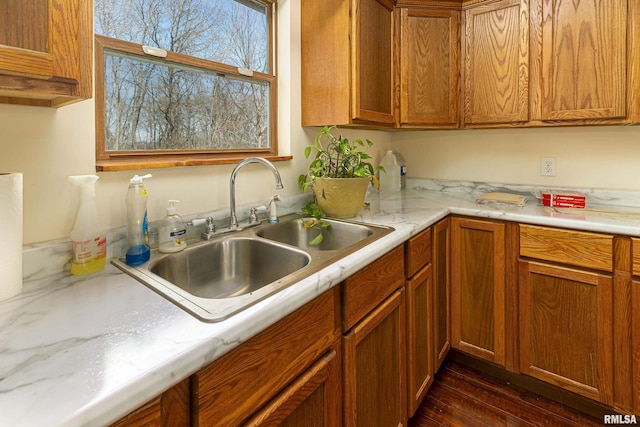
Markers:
point(88, 236)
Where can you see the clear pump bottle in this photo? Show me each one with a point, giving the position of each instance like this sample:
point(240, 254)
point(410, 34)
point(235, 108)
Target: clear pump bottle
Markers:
point(137, 223)
point(172, 231)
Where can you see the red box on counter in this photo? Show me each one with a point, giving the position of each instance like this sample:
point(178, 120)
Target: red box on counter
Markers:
point(564, 199)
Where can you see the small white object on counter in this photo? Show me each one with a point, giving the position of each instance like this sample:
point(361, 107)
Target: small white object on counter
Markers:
point(390, 178)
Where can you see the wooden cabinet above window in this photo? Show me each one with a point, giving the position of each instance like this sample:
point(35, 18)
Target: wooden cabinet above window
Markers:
point(45, 51)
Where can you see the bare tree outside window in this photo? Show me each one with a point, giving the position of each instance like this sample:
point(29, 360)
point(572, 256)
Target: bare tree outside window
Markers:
point(212, 92)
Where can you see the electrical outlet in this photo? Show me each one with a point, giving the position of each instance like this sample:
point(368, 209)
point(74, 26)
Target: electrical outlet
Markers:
point(547, 166)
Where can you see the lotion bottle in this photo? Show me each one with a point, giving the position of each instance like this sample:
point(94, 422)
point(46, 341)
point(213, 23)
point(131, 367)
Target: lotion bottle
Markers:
point(88, 237)
point(172, 231)
point(137, 222)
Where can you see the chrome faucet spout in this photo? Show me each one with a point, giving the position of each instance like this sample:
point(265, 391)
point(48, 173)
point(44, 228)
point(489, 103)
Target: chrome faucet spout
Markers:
point(233, 222)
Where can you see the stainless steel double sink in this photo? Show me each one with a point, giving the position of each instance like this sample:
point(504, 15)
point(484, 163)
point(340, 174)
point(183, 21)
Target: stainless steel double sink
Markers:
point(218, 278)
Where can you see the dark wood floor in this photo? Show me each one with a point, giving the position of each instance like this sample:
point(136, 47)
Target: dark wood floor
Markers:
point(461, 396)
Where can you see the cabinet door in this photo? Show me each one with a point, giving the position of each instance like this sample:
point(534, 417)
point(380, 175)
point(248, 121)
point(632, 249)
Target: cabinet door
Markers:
point(372, 52)
point(170, 409)
point(231, 388)
point(312, 400)
point(429, 51)
point(374, 375)
point(583, 68)
point(441, 291)
point(566, 328)
point(478, 288)
point(496, 63)
point(347, 62)
point(636, 346)
point(420, 364)
point(45, 51)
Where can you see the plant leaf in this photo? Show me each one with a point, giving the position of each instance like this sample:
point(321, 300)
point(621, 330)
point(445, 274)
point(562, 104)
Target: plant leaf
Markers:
point(318, 239)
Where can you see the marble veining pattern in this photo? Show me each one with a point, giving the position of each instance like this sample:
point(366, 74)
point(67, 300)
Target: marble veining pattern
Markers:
point(86, 351)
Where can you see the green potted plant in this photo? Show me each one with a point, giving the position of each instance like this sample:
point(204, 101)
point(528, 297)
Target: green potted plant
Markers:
point(339, 175)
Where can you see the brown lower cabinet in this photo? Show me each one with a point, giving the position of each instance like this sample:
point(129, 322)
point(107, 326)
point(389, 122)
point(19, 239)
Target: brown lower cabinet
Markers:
point(420, 318)
point(232, 388)
point(441, 244)
point(311, 400)
point(636, 347)
point(556, 305)
point(566, 309)
point(374, 344)
point(478, 277)
point(373, 367)
point(170, 409)
point(566, 328)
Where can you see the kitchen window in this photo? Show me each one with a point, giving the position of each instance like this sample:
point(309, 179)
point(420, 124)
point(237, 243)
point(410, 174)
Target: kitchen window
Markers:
point(184, 82)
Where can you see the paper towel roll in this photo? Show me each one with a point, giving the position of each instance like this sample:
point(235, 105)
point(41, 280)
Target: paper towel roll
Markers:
point(10, 234)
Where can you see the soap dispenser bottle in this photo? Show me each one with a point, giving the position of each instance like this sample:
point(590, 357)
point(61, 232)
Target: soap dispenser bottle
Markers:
point(137, 223)
point(172, 231)
point(88, 237)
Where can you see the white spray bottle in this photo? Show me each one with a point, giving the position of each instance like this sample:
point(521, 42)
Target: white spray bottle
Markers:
point(88, 236)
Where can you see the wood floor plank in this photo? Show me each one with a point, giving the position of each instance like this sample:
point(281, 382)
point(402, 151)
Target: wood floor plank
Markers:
point(508, 400)
point(462, 396)
point(504, 388)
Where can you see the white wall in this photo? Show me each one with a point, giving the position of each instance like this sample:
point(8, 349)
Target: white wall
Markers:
point(588, 157)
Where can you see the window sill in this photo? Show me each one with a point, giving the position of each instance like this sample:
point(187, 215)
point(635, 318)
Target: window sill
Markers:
point(173, 161)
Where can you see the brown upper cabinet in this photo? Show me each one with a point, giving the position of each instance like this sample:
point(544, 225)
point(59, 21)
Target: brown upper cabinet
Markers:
point(522, 63)
point(581, 47)
point(45, 51)
point(543, 62)
point(347, 56)
point(496, 63)
point(429, 67)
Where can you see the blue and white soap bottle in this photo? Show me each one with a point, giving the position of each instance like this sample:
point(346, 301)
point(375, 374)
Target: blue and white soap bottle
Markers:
point(137, 222)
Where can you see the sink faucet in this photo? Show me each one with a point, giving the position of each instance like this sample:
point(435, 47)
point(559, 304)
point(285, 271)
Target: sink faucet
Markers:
point(232, 184)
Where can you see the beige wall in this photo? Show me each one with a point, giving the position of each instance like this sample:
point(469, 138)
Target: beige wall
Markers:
point(48, 145)
point(591, 157)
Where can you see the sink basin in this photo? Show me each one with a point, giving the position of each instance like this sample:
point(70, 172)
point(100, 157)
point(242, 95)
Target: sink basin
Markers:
point(218, 278)
point(341, 234)
point(229, 267)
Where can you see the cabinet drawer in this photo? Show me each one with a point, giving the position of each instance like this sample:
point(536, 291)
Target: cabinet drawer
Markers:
point(418, 252)
point(570, 247)
point(363, 291)
point(234, 386)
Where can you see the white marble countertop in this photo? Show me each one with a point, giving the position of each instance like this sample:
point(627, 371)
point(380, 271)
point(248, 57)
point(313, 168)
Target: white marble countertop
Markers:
point(84, 351)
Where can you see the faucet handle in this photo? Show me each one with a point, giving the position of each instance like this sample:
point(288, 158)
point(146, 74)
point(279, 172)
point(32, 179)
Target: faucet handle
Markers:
point(209, 228)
